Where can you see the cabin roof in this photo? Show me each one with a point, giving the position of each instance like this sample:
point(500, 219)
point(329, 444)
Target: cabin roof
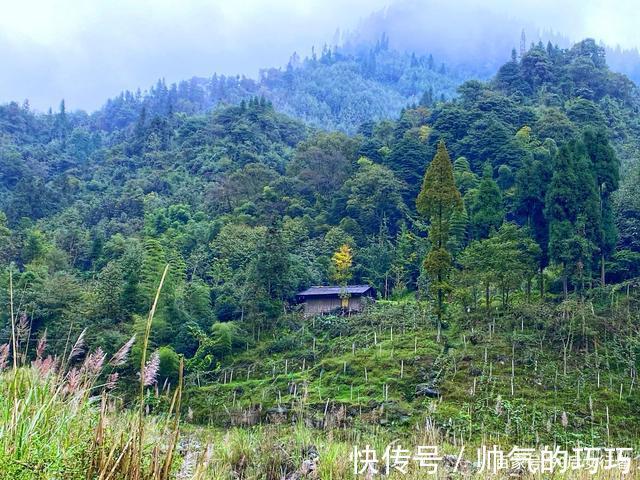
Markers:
point(322, 290)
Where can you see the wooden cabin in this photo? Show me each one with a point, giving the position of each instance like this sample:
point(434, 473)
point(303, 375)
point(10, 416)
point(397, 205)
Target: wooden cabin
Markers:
point(328, 299)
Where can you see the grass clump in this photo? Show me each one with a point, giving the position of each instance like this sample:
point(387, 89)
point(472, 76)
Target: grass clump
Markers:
point(60, 416)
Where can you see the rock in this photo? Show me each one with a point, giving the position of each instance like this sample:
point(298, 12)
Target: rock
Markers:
point(464, 466)
point(308, 468)
point(394, 412)
point(518, 471)
point(502, 359)
point(292, 476)
point(279, 410)
point(449, 461)
point(426, 390)
point(311, 452)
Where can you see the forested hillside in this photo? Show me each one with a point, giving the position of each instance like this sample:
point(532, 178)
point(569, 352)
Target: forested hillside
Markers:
point(335, 88)
point(532, 198)
point(235, 196)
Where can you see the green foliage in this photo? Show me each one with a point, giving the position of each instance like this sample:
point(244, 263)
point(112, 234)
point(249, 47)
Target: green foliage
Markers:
point(437, 201)
point(485, 206)
point(572, 209)
point(374, 197)
point(605, 166)
point(169, 364)
point(247, 206)
point(469, 363)
point(214, 347)
point(465, 178)
point(627, 208)
point(507, 259)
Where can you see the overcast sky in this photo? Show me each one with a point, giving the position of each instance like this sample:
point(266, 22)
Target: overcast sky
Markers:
point(88, 50)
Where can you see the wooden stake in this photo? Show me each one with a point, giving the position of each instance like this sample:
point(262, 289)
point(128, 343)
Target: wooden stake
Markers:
point(513, 366)
point(608, 432)
point(621, 391)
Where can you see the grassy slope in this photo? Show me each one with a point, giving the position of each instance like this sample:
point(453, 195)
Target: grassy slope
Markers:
point(51, 434)
point(471, 365)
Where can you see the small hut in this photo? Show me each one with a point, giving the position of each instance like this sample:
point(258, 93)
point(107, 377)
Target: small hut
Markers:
point(326, 299)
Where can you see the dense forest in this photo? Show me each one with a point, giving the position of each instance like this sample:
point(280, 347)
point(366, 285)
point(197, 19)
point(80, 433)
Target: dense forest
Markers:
point(248, 206)
point(336, 88)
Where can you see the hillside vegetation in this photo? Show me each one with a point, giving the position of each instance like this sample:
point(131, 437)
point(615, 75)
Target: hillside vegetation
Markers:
point(499, 228)
point(335, 88)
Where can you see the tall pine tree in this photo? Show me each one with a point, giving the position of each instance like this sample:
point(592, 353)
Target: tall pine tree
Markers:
point(606, 168)
point(572, 210)
point(437, 200)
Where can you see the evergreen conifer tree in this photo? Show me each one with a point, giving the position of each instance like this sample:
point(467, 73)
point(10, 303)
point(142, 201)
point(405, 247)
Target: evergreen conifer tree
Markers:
point(437, 200)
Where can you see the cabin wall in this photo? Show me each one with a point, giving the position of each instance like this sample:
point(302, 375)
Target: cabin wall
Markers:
point(355, 304)
point(318, 306)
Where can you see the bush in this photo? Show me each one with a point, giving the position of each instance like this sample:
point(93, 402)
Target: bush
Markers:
point(169, 364)
point(283, 344)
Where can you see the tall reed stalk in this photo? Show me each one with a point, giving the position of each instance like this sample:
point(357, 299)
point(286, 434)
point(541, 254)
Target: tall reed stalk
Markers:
point(143, 363)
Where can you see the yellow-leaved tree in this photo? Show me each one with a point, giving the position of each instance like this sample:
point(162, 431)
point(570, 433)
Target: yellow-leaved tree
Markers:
point(341, 262)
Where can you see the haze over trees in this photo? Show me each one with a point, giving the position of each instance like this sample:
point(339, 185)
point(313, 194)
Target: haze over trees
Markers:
point(485, 33)
point(333, 88)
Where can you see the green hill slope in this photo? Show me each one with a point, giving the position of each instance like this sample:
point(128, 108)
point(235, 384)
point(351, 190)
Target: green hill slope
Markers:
point(533, 375)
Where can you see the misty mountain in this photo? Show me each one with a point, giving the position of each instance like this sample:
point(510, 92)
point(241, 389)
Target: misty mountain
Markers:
point(474, 40)
point(397, 57)
point(335, 88)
